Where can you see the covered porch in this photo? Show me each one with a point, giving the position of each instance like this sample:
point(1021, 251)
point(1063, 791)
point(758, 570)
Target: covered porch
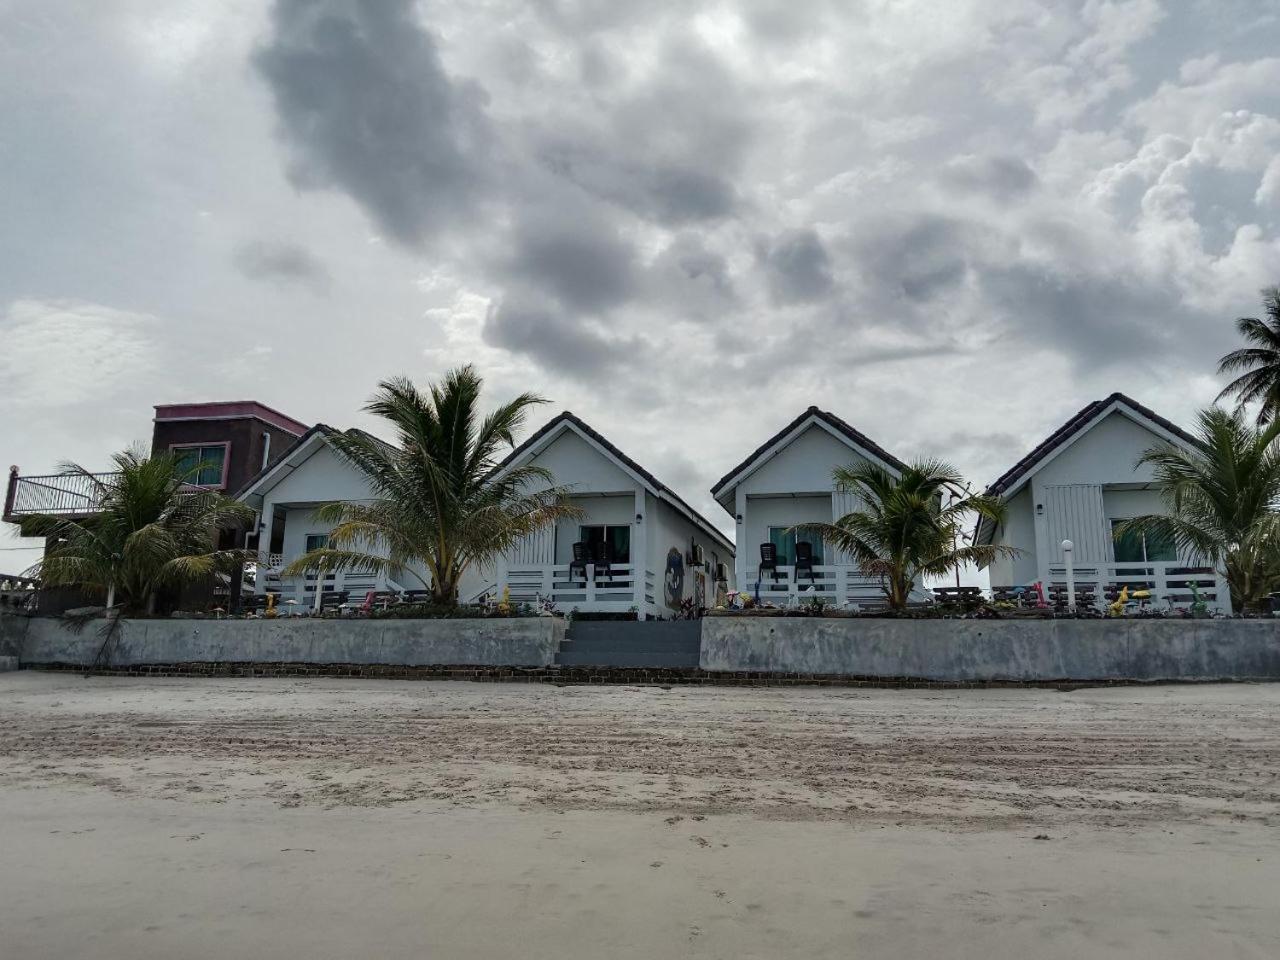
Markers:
point(288, 532)
point(594, 563)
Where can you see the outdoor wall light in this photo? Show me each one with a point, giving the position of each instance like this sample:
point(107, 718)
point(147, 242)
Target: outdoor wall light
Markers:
point(1039, 509)
point(738, 517)
point(639, 518)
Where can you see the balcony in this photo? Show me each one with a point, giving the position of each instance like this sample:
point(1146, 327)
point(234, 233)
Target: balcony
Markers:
point(55, 494)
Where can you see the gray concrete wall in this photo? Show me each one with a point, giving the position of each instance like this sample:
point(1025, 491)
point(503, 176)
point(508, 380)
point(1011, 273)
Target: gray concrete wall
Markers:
point(13, 629)
point(962, 650)
point(531, 642)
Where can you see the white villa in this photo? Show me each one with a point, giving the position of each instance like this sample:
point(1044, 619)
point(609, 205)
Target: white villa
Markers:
point(1076, 486)
point(638, 546)
point(788, 481)
point(659, 550)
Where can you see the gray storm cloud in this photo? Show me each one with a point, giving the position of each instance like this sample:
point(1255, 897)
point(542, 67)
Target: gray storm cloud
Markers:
point(365, 106)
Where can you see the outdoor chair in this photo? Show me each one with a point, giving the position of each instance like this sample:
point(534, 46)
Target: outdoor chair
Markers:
point(804, 558)
point(415, 596)
point(768, 560)
point(603, 558)
point(581, 557)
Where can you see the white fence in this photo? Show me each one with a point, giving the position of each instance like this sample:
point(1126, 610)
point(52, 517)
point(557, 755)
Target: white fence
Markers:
point(1170, 583)
point(838, 585)
point(299, 593)
point(612, 589)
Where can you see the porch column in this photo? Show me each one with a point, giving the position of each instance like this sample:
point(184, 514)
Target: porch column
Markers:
point(260, 578)
point(741, 549)
point(500, 575)
point(1044, 549)
point(639, 553)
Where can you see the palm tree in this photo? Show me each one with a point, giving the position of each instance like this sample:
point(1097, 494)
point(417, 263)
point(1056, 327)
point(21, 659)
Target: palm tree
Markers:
point(1260, 380)
point(439, 505)
point(151, 531)
point(1223, 501)
point(903, 531)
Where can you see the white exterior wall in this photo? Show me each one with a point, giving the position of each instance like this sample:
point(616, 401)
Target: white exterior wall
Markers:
point(1018, 531)
point(794, 486)
point(670, 529)
point(323, 477)
point(1084, 487)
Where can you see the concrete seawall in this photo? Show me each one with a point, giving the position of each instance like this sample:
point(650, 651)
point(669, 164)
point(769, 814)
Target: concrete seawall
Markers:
point(531, 642)
point(995, 650)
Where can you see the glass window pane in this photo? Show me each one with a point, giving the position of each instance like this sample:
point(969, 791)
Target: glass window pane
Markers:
point(317, 541)
point(187, 459)
point(1161, 548)
point(1128, 546)
point(211, 459)
point(620, 541)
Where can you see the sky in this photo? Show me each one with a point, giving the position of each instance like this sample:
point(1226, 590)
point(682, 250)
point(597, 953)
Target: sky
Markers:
point(953, 225)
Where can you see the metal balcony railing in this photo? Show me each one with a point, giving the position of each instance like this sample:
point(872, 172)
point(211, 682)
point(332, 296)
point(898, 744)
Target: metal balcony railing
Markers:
point(57, 494)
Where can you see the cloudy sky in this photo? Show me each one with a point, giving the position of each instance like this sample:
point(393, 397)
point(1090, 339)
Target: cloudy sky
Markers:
point(951, 224)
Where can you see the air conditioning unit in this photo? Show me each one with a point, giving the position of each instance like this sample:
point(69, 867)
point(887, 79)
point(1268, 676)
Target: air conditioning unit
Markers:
point(722, 573)
point(695, 555)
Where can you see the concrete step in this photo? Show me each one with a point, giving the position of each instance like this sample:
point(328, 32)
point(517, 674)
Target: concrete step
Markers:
point(605, 643)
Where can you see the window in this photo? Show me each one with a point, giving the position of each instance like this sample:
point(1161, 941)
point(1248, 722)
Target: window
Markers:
point(784, 538)
point(317, 541)
point(1132, 547)
point(618, 538)
point(202, 465)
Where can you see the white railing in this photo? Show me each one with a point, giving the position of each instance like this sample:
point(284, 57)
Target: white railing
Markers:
point(298, 594)
point(839, 585)
point(614, 590)
point(1169, 583)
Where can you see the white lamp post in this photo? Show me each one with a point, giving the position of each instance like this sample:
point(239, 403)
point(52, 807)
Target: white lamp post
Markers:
point(1067, 547)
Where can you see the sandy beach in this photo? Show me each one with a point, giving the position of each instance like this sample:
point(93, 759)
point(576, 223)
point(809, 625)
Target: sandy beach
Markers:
point(330, 818)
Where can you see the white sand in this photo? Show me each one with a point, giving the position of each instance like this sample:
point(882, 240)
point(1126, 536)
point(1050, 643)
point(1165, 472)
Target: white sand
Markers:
point(282, 818)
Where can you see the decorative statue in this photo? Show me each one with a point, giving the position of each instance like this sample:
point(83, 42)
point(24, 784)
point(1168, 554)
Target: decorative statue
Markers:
point(673, 582)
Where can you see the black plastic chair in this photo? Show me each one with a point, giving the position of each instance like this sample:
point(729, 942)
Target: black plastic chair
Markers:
point(769, 559)
point(581, 557)
point(603, 558)
point(804, 558)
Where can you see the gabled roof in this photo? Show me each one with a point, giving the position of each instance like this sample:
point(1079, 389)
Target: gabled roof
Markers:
point(1016, 476)
point(840, 428)
point(277, 466)
point(1065, 434)
point(567, 420)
